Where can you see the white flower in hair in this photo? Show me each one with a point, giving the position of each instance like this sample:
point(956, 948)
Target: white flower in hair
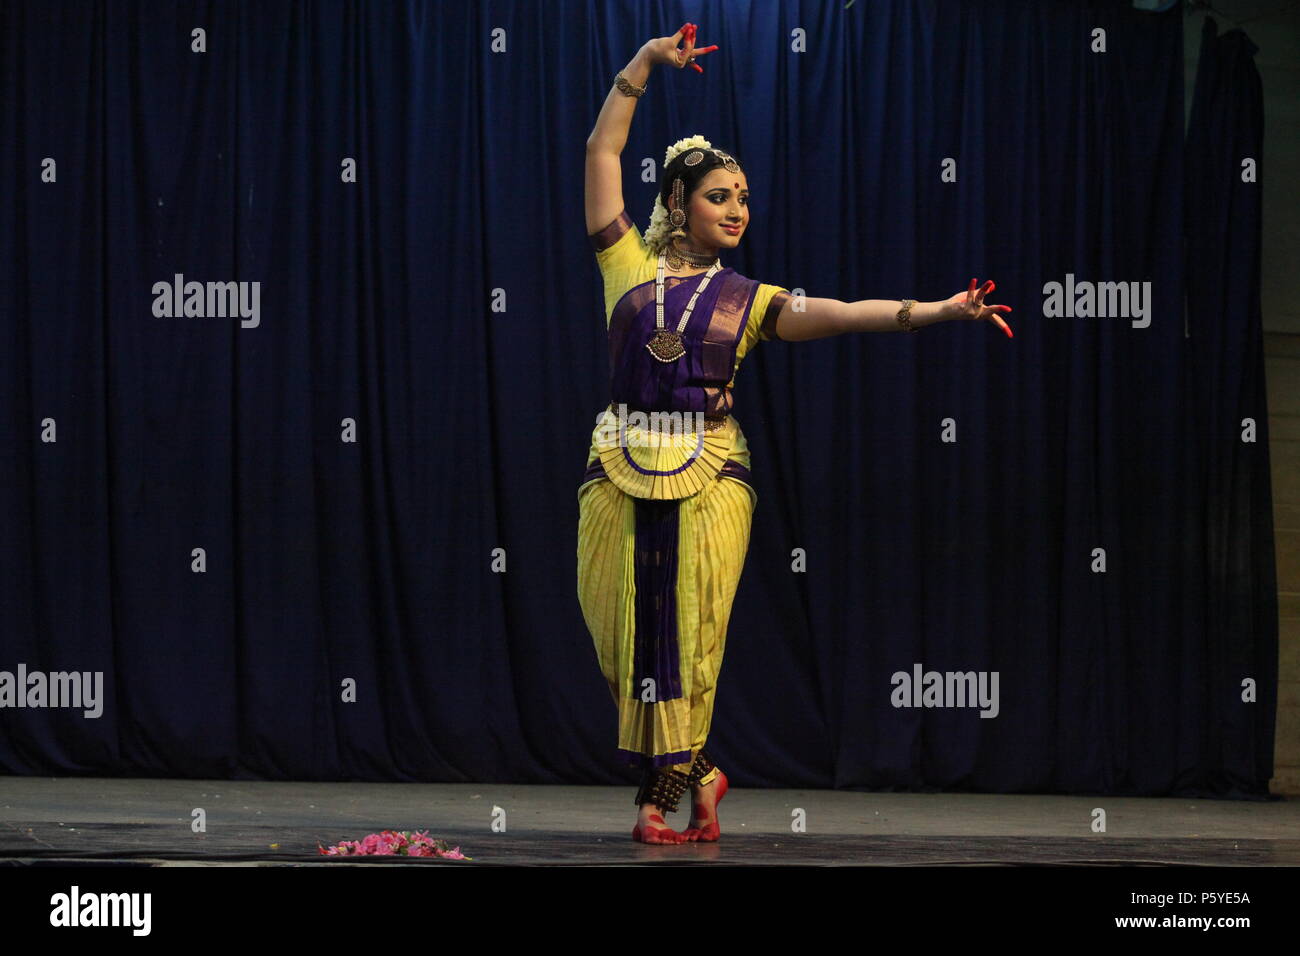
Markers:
point(690, 142)
point(656, 234)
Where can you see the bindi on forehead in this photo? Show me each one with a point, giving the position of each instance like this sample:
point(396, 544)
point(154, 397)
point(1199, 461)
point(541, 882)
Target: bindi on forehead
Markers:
point(736, 185)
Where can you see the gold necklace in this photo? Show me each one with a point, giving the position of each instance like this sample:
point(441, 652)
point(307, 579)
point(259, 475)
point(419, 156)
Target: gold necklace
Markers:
point(677, 258)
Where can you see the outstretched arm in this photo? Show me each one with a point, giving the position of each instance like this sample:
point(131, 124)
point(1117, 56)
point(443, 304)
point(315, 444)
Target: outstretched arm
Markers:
point(820, 318)
point(604, 176)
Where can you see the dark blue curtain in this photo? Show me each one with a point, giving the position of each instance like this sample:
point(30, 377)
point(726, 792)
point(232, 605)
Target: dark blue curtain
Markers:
point(1225, 144)
point(381, 468)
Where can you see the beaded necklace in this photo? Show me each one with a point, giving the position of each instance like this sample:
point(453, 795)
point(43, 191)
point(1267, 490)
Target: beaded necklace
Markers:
point(666, 344)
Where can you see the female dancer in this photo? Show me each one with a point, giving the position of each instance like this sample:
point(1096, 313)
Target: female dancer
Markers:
point(664, 513)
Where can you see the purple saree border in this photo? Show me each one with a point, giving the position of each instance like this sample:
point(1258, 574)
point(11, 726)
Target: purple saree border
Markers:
point(699, 447)
point(656, 653)
point(604, 238)
point(734, 469)
point(659, 760)
point(767, 327)
point(595, 470)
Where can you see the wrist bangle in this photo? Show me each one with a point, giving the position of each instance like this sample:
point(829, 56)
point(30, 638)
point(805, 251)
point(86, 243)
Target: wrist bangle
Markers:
point(625, 85)
point(905, 314)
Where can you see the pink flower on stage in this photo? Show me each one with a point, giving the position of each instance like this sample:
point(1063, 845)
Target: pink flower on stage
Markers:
point(395, 843)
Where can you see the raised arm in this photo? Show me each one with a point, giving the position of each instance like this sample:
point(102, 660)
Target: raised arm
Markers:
point(604, 175)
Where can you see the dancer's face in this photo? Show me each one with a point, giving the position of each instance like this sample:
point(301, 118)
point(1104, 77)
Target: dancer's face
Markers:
point(721, 200)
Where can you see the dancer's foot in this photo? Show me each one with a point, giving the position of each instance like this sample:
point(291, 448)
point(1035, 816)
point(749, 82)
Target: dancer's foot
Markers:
point(651, 828)
point(704, 817)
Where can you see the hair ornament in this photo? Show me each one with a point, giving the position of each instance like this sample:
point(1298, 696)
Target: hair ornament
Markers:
point(728, 162)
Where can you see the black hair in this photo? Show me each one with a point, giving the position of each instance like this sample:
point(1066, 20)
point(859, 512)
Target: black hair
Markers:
point(690, 175)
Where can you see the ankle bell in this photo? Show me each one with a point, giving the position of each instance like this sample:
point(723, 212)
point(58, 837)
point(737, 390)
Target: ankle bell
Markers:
point(703, 770)
point(663, 787)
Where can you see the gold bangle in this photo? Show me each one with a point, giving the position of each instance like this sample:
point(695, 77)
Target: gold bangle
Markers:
point(625, 86)
point(905, 314)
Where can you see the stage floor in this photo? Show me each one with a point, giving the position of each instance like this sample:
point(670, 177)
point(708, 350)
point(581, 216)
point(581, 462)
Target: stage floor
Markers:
point(148, 822)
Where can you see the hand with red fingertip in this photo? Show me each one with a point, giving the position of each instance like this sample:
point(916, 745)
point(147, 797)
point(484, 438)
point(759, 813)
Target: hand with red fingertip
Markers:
point(664, 50)
point(970, 305)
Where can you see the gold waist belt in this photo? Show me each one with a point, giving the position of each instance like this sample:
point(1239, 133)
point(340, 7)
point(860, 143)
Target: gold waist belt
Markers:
point(669, 420)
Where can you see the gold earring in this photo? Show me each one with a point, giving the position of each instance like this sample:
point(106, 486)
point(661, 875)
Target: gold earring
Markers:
point(678, 216)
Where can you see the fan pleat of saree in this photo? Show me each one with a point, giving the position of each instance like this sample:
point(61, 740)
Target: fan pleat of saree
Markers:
point(662, 459)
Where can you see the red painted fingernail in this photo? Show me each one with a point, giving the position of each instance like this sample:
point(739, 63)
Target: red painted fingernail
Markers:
point(698, 68)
